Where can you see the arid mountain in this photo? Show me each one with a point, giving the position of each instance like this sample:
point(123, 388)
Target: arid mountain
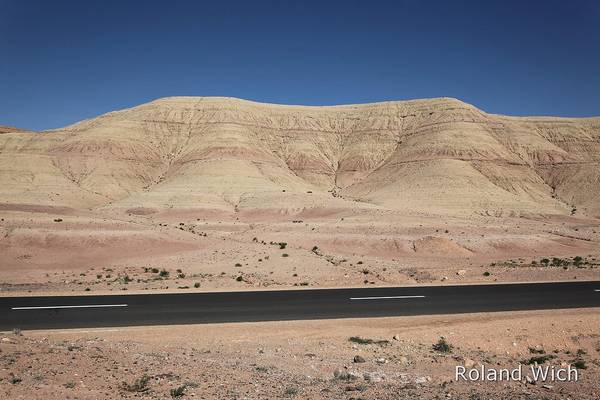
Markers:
point(437, 156)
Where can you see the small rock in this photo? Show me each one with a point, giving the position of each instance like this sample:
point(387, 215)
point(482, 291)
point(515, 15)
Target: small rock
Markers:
point(396, 337)
point(403, 360)
point(6, 340)
point(373, 377)
point(469, 363)
point(359, 359)
point(421, 380)
point(345, 375)
point(381, 361)
point(444, 278)
point(549, 387)
point(461, 272)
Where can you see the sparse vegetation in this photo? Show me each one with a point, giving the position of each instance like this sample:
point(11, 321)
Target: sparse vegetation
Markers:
point(291, 391)
point(178, 391)
point(539, 359)
point(557, 262)
point(139, 385)
point(534, 350)
point(163, 273)
point(69, 385)
point(442, 346)
point(579, 363)
point(197, 285)
point(360, 340)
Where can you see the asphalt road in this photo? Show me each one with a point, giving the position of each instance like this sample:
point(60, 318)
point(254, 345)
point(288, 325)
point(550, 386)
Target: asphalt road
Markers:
point(195, 308)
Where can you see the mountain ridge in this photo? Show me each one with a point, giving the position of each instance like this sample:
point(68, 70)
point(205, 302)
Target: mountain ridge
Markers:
point(438, 155)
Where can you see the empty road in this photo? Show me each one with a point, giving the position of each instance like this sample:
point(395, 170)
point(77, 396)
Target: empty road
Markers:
point(194, 308)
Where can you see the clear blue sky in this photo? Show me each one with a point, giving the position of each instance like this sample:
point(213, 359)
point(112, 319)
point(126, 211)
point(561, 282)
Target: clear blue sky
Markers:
point(63, 61)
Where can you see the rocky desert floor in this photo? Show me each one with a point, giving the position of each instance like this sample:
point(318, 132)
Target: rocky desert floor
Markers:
point(386, 358)
point(47, 250)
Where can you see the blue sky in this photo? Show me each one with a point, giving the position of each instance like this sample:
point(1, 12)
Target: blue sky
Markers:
point(63, 61)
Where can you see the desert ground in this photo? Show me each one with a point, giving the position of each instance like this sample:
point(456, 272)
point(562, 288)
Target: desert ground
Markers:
point(192, 194)
point(87, 253)
point(385, 358)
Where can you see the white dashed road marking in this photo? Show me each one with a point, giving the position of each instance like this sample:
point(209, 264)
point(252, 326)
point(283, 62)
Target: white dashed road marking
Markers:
point(81, 306)
point(386, 297)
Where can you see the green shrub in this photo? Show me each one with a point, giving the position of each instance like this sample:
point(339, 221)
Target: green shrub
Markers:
point(442, 346)
point(139, 385)
point(539, 359)
point(533, 350)
point(177, 392)
point(557, 262)
point(360, 340)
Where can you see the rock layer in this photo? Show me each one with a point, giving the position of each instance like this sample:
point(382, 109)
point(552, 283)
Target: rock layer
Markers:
point(439, 156)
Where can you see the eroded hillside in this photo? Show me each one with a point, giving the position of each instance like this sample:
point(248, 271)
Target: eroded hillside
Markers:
point(438, 156)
